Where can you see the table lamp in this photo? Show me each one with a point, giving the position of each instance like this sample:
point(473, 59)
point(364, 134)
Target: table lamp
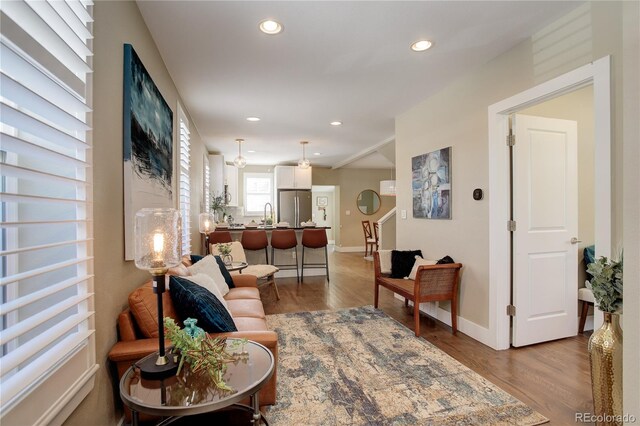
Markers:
point(157, 249)
point(206, 225)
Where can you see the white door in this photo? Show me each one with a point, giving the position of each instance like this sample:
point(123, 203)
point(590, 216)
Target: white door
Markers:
point(545, 250)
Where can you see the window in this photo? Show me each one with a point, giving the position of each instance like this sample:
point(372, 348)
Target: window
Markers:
point(258, 191)
point(185, 186)
point(46, 274)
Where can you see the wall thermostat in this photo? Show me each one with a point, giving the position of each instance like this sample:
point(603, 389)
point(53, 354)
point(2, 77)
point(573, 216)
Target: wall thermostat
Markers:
point(477, 194)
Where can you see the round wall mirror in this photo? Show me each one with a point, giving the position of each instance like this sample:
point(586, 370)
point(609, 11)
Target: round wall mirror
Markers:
point(368, 201)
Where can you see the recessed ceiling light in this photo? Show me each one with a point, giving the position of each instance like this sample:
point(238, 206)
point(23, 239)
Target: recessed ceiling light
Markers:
point(421, 45)
point(253, 118)
point(336, 123)
point(271, 27)
point(251, 151)
point(317, 153)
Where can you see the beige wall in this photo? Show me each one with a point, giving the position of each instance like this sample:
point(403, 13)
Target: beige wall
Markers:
point(351, 182)
point(457, 117)
point(318, 215)
point(117, 23)
point(631, 130)
point(578, 106)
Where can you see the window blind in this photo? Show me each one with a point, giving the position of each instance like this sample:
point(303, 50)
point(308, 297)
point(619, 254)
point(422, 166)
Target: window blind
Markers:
point(185, 186)
point(46, 210)
point(206, 185)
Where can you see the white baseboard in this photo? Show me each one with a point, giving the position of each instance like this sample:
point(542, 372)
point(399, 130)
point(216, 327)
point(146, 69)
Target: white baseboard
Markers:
point(470, 328)
point(349, 249)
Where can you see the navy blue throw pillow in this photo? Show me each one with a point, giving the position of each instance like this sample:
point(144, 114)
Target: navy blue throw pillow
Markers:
point(195, 258)
point(445, 260)
point(225, 273)
point(192, 300)
point(402, 262)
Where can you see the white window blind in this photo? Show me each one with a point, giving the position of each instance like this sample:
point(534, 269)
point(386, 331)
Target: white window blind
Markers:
point(206, 185)
point(185, 186)
point(258, 191)
point(47, 352)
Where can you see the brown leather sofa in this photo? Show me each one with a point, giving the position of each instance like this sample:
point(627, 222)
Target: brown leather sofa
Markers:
point(243, 301)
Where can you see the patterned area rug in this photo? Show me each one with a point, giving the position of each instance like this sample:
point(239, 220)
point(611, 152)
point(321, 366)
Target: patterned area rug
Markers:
point(360, 367)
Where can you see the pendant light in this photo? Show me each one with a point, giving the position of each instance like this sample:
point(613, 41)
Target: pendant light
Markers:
point(240, 161)
point(304, 163)
point(388, 187)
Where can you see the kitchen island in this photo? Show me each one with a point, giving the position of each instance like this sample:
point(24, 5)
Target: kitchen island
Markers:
point(283, 256)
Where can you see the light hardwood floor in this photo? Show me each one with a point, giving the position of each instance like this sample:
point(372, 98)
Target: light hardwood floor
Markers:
point(553, 377)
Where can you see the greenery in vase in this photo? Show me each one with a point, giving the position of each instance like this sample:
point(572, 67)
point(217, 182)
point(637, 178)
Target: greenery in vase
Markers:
point(205, 355)
point(224, 248)
point(218, 203)
point(606, 283)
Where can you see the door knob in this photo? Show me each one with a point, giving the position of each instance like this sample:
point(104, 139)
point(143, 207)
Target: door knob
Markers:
point(574, 240)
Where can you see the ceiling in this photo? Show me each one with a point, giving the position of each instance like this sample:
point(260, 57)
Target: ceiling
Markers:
point(347, 61)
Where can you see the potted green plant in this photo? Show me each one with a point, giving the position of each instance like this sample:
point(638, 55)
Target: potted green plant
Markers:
point(225, 253)
point(204, 355)
point(605, 344)
point(218, 206)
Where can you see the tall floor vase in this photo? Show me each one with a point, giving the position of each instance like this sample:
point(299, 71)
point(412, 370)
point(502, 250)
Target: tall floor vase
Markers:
point(605, 356)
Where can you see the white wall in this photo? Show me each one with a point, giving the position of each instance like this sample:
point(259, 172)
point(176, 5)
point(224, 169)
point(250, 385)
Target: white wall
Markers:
point(457, 117)
point(631, 130)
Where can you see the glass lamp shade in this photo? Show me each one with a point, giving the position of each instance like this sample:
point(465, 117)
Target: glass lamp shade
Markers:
point(206, 224)
point(388, 187)
point(240, 162)
point(158, 233)
point(304, 163)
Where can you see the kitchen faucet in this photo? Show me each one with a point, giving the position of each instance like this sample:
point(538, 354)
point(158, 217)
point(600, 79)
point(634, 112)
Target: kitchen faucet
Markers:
point(270, 212)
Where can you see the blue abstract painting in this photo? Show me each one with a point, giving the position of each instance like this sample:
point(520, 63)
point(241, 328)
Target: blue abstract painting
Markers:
point(431, 184)
point(148, 144)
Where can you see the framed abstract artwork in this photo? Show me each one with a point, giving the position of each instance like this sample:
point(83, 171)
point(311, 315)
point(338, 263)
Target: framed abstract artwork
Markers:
point(322, 201)
point(148, 145)
point(431, 184)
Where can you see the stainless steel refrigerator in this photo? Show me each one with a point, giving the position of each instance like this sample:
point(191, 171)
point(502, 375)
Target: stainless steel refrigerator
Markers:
point(294, 206)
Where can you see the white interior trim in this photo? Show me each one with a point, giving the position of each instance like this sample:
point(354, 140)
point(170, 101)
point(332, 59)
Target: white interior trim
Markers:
point(363, 153)
point(596, 73)
point(471, 329)
point(353, 249)
point(390, 214)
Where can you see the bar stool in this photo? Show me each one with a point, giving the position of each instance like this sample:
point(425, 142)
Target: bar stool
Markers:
point(256, 240)
point(284, 239)
point(315, 239)
point(220, 237)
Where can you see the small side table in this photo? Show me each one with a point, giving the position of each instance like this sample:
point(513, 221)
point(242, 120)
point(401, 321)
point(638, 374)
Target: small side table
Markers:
point(237, 266)
point(188, 394)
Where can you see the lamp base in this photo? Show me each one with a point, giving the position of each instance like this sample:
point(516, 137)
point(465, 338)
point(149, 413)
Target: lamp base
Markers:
point(151, 369)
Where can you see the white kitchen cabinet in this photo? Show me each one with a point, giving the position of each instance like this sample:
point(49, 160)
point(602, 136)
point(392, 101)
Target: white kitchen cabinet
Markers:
point(292, 177)
point(216, 174)
point(232, 185)
point(302, 178)
point(285, 177)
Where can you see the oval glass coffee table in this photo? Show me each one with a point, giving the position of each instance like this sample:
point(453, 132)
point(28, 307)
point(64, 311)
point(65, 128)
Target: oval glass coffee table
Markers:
point(237, 266)
point(189, 394)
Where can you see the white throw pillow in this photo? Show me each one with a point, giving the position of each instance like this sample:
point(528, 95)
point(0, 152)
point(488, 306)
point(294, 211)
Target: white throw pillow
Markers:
point(419, 262)
point(209, 266)
point(385, 261)
point(204, 280)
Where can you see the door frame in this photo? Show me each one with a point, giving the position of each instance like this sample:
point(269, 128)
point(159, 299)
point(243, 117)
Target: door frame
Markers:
point(597, 74)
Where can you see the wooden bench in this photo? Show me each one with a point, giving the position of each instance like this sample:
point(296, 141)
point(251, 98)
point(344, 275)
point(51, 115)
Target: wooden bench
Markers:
point(433, 283)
